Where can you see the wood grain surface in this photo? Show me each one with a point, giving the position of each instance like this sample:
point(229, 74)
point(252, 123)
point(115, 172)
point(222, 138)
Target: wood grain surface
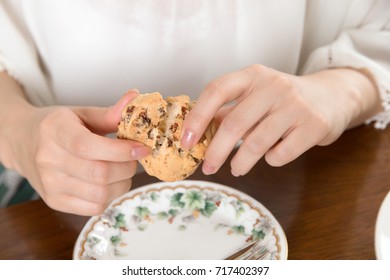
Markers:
point(326, 201)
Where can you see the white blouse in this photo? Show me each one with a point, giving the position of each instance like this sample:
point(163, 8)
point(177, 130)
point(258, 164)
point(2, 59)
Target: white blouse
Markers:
point(90, 52)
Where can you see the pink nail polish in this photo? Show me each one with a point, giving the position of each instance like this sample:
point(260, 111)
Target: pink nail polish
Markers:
point(140, 152)
point(187, 140)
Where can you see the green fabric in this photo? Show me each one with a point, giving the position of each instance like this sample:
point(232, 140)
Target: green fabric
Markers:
point(14, 188)
point(3, 191)
point(25, 192)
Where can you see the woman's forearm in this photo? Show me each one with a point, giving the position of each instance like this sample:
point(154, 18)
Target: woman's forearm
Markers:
point(14, 110)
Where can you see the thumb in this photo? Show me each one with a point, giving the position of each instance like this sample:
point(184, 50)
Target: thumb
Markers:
point(105, 120)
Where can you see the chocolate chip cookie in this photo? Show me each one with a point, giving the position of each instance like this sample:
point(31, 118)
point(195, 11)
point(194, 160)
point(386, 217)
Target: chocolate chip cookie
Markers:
point(157, 123)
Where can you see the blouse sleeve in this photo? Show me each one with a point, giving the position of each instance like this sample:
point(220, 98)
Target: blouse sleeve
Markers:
point(365, 47)
point(18, 57)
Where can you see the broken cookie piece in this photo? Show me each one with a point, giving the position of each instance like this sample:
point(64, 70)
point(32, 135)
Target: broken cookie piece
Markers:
point(158, 123)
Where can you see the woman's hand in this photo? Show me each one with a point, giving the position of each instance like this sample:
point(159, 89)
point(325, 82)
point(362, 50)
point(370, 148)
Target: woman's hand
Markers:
point(64, 155)
point(278, 116)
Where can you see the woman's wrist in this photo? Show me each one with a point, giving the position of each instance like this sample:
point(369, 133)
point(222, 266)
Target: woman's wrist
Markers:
point(355, 91)
point(15, 115)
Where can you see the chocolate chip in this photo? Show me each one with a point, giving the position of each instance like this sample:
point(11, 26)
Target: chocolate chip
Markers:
point(145, 118)
point(197, 161)
point(150, 134)
point(174, 127)
point(130, 110)
point(162, 112)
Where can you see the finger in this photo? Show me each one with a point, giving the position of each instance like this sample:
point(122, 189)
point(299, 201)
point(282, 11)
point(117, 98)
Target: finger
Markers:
point(80, 142)
point(259, 141)
point(75, 205)
point(223, 112)
point(232, 128)
point(104, 120)
point(293, 145)
point(99, 172)
point(100, 194)
point(213, 97)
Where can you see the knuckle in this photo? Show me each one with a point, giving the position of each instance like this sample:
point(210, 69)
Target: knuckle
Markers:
point(284, 80)
point(322, 122)
point(254, 145)
point(231, 125)
point(214, 88)
point(314, 119)
point(99, 172)
point(256, 68)
point(196, 116)
point(285, 84)
point(51, 119)
point(99, 194)
point(80, 147)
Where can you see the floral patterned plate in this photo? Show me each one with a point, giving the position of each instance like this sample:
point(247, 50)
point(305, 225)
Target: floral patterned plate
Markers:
point(181, 220)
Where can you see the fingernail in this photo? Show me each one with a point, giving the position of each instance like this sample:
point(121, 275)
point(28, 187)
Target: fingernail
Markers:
point(187, 140)
point(134, 90)
point(207, 169)
point(139, 152)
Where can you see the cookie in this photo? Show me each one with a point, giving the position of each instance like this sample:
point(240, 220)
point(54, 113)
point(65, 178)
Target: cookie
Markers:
point(158, 123)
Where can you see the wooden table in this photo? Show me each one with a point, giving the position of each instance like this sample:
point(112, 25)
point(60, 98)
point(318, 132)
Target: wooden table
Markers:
point(326, 201)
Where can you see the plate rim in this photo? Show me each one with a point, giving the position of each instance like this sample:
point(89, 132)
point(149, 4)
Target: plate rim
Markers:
point(196, 184)
point(380, 219)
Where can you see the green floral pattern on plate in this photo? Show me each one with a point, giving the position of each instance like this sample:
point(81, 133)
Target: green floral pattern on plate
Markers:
point(182, 207)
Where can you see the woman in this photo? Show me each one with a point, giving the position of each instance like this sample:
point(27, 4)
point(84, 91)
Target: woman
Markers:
point(283, 76)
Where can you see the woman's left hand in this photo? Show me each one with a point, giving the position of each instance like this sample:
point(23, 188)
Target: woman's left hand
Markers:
point(277, 115)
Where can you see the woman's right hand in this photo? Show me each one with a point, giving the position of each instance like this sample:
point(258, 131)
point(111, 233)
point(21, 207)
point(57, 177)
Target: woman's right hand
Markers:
point(64, 154)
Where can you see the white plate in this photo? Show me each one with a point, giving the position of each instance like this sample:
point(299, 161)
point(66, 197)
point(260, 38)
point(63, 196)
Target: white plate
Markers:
point(382, 231)
point(181, 220)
